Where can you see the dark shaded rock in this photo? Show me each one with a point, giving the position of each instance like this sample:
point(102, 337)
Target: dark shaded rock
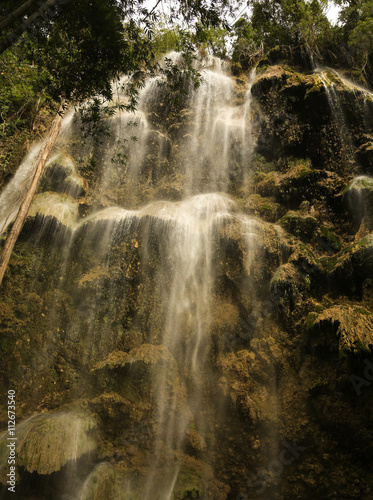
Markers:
point(61, 176)
point(265, 207)
point(302, 226)
point(342, 328)
point(364, 155)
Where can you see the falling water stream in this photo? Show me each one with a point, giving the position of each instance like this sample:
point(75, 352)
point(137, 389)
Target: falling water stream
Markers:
point(213, 140)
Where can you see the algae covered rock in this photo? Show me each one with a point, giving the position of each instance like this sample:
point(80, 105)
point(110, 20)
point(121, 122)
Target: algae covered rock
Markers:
point(247, 378)
point(358, 196)
point(132, 375)
point(146, 354)
point(299, 225)
point(365, 154)
point(47, 442)
point(61, 176)
point(327, 240)
point(264, 207)
point(62, 209)
point(342, 328)
point(100, 484)
point(354, 265)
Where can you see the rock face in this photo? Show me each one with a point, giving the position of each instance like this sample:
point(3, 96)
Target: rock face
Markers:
point(192, 316)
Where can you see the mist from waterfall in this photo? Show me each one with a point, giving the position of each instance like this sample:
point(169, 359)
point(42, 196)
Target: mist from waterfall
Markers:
point(212, 141)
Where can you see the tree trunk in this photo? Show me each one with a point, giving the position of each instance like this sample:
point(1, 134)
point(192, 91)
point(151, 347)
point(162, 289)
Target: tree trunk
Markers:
point(15, 14)
point(24, 208)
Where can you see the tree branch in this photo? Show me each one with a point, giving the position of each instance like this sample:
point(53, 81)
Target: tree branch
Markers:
point(151, 12)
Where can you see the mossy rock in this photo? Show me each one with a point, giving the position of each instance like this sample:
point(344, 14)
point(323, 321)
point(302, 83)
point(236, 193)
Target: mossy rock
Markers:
point(62, 208)
point(352, 265)
point(189, 485)
point(364, 155)
point(266, 208)
point(147, 354)
point(358, 196)
point(132, 375)
point(268, 184)
point(327, 240)
point(47, 442)
point(298, 184)
point(342, 328)
point(246, 380)
point(302, 226)
point(100, 484)
point(61, 176)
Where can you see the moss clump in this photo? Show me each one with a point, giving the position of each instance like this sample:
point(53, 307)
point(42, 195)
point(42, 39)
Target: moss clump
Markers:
point(100, 484)
point(46, 442)
point(328, 240)
point(62, 208)
point(311, 319)
point(302, 226)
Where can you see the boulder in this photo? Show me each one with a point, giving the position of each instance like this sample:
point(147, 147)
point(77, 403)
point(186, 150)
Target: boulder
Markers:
point(47, 442)
point(61, 176)
point(101, 483)
point(302, 226)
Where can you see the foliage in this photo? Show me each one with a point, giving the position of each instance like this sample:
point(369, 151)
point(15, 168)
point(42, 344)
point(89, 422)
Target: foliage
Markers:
point(246, 47)
point(212, 40)
point(289, 22)
point(85, 47)
point(360, 37)
point(21, 98)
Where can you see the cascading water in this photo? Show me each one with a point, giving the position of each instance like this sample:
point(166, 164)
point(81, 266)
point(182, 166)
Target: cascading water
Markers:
point(336, 108)
point(142, 280)
point(15, 191)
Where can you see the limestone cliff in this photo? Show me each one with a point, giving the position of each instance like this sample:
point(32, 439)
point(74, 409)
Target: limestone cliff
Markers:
point(198, 302)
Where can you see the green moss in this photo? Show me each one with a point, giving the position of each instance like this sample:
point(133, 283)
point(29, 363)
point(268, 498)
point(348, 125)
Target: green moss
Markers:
point(317, 384)
point(48, 441)
point(331, 240)
point(311, 319)
point(61, 207)
point(298, 224)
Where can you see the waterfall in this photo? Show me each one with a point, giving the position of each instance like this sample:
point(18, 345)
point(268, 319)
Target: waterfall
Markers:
point(141, 267)
point(337, 112)
point(13, 194)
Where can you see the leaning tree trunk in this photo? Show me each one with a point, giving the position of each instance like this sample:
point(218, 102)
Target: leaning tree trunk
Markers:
point(24, 208)
point(15, 14)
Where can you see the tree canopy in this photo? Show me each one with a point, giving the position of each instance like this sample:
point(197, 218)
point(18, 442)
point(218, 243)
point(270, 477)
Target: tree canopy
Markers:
point(80, 46)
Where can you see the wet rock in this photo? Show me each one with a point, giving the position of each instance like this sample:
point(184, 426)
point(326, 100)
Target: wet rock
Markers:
point(302, 226)
point(289, 285)
point(352, 266)
point(46, 442)
point(364, 155)
point(62, 208)
point(342, 328)
point(100, 484)
point(61, 176)
point(358, 197)
point(51, 219)
point(327, 241)
point(248, 375)
point(131, 375)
